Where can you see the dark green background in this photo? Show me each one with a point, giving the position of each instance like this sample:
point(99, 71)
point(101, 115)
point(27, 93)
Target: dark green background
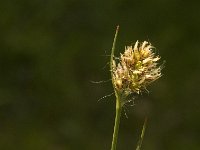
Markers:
point(50, 50)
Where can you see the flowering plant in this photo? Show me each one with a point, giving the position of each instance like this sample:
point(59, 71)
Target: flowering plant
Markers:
point(131, 73)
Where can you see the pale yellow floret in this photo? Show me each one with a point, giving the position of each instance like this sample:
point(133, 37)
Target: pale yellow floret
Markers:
point(137, 67)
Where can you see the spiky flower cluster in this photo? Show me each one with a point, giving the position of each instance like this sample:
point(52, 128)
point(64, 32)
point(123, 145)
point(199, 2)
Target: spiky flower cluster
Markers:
point(137, 68)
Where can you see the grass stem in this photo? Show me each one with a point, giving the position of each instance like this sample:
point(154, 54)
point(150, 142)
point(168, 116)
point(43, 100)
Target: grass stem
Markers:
point(117, 123)
point(118, 100)
point(142, 134)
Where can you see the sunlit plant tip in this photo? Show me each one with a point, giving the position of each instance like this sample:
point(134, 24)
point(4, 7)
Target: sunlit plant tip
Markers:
point(136, 68)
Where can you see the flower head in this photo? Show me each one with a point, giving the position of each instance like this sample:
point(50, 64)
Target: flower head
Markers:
point(137, 68)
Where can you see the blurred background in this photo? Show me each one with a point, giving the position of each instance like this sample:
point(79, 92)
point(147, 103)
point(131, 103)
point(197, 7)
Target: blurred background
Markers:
point(51, 50)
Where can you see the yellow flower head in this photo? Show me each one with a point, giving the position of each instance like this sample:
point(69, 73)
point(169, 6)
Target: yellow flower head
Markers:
point(137, 68)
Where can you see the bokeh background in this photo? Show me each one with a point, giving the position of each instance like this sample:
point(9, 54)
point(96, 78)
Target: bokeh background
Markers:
point(51, 50)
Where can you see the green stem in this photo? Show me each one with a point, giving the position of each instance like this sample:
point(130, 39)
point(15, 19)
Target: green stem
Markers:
point(117, 122)
point(118, 100)
point(112, 53)
point(142, 134)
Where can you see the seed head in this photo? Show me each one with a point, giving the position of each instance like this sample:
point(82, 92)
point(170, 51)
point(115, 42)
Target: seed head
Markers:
point(137, 68)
